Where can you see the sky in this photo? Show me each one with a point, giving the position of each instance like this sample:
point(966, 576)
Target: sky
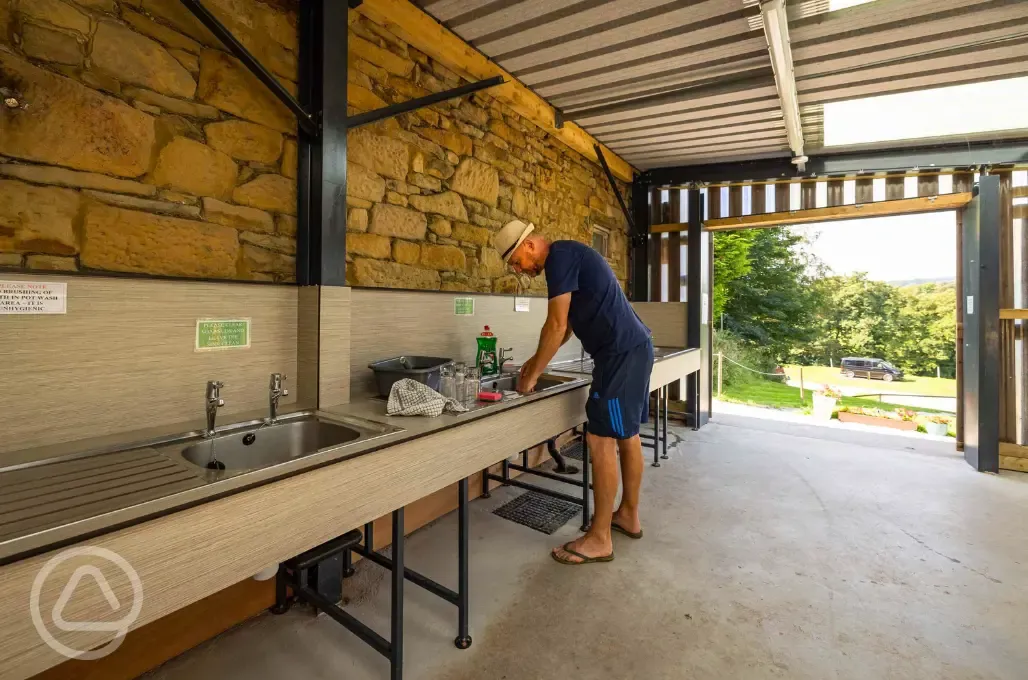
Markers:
point(888, 248)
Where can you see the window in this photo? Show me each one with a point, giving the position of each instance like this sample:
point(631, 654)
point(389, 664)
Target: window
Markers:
point(601, 240)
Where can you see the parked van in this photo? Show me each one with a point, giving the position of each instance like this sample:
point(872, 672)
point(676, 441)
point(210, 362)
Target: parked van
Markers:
point(862, 367)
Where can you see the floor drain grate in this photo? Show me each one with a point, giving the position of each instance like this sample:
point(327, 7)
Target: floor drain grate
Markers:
point(572, 450)
point(539, 512)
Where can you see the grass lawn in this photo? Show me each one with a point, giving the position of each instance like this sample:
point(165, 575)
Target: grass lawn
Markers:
point(940, 387)
point(777, 395)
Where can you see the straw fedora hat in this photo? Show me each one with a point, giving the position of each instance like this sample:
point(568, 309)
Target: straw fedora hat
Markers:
point(512, 235)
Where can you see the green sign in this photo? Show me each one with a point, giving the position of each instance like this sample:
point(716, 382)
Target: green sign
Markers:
point(464, 306)
point(214, 334)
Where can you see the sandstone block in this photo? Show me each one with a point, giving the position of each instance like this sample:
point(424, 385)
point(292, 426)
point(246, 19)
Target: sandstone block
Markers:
point(392, 220)
point(425, 181)
point(363, 98)
point(131, 241)
point(364, 184)
point(258, 260)
point(406, 252)
point(68, 124)
point(354, 202)
point(136, 203)
point(190, 62)
point(160, 32)
point(187, 165)
point(447, 204)
point(476, 115)
point(376, 73)
point(11, 259)
point(453, 141)
point(37, 219)
point(476, 180)
point(51, 263)
point(132, 58)
point(176, 15)
point(357, 219)
point(100, 81)
point(381, 274)
point(146, 108)
point(369, 245)
point(171, 104)
point(280, 244)
point(289, 159)
point(40, 174)
point(274, 193)
point(50, 45)
point(226, 84)
point(469, 234)
point(55, 13)
point(385, 156)
point(240, 217)
point(441, 227)
point(102, 5)
point(286, 225)
point(176, 197)
point(395, 198)
point(369, 51)
point(443, 258)
point(245, 141)
point(506, 284)
point(490, 264)
point(439, 168)
point(527, 205)
point(506, 132)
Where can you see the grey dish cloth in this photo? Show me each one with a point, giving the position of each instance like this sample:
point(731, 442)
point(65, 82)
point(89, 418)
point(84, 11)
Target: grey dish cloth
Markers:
point(411, 398)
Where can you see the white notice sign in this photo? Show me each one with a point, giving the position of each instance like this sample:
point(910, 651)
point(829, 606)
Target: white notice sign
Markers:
point(30, 297)
point(970, 304)
point(521, 304)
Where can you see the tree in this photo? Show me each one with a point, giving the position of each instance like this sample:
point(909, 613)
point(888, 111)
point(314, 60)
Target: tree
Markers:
point(731, 261)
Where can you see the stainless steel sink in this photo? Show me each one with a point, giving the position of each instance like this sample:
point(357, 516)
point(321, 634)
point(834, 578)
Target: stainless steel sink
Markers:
point(509, 382)
point(262, 445)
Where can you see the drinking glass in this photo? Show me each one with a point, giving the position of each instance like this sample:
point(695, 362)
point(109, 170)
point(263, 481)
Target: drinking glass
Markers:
point(472, 384)
point(447, 388)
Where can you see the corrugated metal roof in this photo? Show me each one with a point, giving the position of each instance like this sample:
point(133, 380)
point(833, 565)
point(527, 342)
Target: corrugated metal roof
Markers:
point(672, 82)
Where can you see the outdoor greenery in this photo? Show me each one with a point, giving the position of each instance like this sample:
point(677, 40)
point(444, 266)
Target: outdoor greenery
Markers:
point(826, 375)
point(774, 302)
point(779, 395)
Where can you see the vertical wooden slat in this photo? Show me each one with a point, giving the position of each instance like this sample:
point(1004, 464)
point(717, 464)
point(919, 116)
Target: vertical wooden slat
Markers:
point(782, 197)
point(735, 200)
point(758, 200)
point(1007, 346)
point(928, 185)
point(960, 325)
point(835, 193)
point(894, 187)
point(865, 190)
point(655, 216)
point(714, 203)
point(808, 195)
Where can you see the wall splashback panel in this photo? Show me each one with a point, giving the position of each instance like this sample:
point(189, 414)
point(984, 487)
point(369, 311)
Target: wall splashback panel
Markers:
point(122, 357)
point(392, 323)
point(666, 320)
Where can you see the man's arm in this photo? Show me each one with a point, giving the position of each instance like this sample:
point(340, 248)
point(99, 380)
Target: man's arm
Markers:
point(554, 334)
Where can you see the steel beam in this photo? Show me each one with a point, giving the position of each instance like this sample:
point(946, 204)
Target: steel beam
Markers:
point(422, 102)
point(776, 30)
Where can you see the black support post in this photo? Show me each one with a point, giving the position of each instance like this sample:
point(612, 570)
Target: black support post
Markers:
point(638, 258)
point(396, 613)
point(463, 640)
point(656, 429)
point(331, 224)
point(694, 293)
point(586, 471)
point(664, 445)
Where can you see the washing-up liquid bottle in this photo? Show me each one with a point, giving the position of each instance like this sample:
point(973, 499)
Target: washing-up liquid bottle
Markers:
point(486, 359)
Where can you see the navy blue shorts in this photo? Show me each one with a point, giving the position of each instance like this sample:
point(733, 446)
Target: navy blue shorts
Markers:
point(619, 398)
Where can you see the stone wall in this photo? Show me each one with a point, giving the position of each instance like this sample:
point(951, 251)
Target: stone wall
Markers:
point(129, 142)
point(427, 190)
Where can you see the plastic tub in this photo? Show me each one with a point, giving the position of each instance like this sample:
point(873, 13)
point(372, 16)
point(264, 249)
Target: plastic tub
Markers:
point(423, 369)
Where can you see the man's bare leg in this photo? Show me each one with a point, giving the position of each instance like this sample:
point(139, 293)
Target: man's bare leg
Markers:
point(627, 515)
point(596, 542)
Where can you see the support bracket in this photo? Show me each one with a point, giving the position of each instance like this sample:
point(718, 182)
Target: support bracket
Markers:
point(614, 187)
point(221, 32)
point(422, 102)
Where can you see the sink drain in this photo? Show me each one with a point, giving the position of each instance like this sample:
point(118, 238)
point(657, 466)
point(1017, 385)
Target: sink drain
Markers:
point(215, 465)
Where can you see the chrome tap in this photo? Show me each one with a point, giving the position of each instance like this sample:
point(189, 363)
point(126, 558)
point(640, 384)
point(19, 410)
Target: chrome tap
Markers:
point(275, 392)
point(505, 356)
point(214, 402)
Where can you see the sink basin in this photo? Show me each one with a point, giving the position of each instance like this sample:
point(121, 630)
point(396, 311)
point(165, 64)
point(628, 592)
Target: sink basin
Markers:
point(267, 445)
point(509, 382)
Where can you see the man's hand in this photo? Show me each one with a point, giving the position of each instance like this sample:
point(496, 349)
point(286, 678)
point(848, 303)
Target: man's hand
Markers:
point(528, 377)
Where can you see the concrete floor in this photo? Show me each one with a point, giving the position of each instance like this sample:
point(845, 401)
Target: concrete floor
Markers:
point(772, 550)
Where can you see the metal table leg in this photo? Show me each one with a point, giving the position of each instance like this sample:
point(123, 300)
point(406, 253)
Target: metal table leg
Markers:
point(586, 469)
point(656, 430)
point(396, 615)
point(485, 483)
point(463, 640)
point(664, 445)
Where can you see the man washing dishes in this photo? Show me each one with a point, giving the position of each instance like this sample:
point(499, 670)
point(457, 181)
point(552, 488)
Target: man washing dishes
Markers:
point(586, 299)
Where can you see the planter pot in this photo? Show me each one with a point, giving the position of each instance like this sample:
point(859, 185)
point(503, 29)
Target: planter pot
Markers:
point(908, 425)
point(937, 429)
point(823, 407)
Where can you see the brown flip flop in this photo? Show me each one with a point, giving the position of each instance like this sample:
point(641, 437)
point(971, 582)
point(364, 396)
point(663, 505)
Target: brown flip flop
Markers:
point(621, 530)
point(585, 558)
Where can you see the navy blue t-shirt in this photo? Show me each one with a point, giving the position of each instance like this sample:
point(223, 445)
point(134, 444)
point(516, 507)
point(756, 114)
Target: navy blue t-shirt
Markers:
point(600, 315)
